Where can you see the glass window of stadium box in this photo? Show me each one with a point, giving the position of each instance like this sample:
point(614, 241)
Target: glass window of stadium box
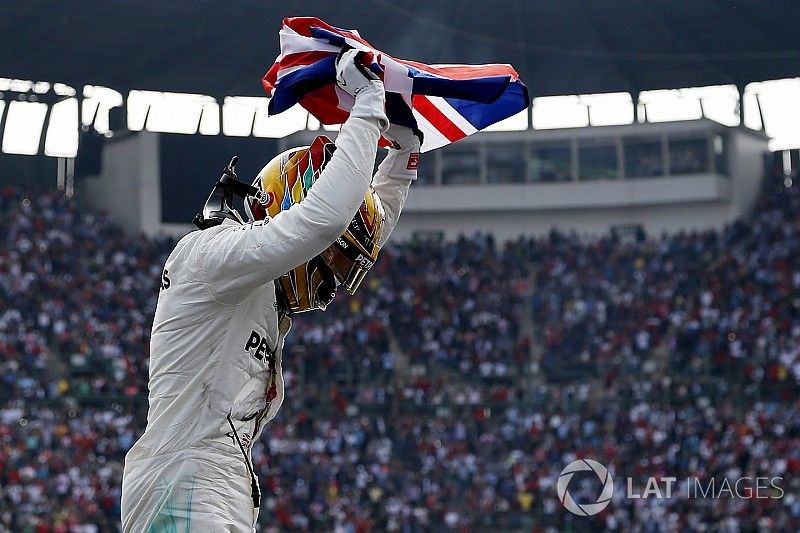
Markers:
point(505, 163)
point(688, 156)
point(461, 165)
point(597, 159)
point(551, 162)
point(643, 157)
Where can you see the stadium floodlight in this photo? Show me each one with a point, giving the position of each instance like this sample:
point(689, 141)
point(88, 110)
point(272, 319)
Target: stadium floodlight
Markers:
point(666, 105)
point(23, 129)
point(549, 112)
point(176, 112)
point(209, 119)
point(138, 106)
point(62, 89)
point(41, 87)
point(607, 109)
point(751, 108)
point(62, 130)
point(19, 86)
point(238, 114)
point(97, 101)
point(718, 102)
point(277, 126)
point(779, 102)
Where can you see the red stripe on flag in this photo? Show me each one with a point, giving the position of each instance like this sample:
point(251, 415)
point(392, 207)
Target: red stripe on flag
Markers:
point(268, 80)
point(438, 119)
point(323, 104)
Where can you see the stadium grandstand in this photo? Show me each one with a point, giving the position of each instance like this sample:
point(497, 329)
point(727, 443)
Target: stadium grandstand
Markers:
point(612, 274)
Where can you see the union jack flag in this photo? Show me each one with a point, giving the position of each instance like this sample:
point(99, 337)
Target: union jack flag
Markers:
point(446, 102)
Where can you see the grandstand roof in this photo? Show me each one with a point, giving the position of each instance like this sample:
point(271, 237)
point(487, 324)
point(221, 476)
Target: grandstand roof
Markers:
point(564, 47)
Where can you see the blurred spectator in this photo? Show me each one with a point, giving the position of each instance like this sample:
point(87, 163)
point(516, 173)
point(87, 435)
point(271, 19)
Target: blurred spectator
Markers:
point(448, 394)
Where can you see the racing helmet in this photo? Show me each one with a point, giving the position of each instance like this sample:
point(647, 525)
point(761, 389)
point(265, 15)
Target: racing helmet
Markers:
point(285, 181)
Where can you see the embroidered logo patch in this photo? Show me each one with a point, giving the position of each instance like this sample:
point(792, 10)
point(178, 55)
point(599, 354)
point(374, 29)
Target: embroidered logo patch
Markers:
point(413, 161)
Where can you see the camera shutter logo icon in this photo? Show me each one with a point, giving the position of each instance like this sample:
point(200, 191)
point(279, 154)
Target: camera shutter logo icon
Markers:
point(586, 509)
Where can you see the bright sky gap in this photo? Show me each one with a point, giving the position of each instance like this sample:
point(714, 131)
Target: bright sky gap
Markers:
point(241, 116)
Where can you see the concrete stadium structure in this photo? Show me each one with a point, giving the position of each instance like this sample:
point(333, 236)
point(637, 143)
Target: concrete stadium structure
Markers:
point(667, 176)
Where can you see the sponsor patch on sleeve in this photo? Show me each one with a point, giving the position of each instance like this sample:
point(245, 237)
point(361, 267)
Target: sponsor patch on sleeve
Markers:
point(413, 161)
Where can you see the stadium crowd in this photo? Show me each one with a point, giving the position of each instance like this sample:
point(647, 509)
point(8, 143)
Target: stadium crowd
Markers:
point(425, 402)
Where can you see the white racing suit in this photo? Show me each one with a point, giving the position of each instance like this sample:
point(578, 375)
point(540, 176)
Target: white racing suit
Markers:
point(216, 346)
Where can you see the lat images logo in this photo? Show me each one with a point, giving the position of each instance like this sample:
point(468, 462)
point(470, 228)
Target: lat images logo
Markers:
point(586, 509)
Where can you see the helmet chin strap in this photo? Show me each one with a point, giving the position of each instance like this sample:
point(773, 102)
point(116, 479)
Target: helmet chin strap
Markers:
point(218, 205)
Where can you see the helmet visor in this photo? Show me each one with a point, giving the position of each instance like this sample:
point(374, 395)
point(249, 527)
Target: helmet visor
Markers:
point(348, 262)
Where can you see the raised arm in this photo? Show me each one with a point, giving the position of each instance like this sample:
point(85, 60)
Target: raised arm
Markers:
point(395, 174)
point(234, 260)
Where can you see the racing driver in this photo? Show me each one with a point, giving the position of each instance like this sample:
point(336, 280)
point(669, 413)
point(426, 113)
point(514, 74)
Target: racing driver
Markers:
point(227, 293)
